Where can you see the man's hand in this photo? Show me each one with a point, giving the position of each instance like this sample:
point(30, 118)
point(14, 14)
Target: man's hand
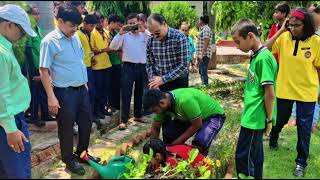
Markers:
point(15, 141)
point(155, 82)
point(283, 27)
point(93, 62)
point(268, 128)
point(53, 105)
point(36, 78)
point(121, 31)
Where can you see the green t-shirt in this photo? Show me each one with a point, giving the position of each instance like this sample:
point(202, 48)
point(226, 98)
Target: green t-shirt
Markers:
point(34, 43)
point(115, 58)
point(263, 70)
point(189, 104)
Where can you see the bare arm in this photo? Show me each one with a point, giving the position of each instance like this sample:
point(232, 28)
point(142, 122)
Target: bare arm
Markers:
point(53, 103)
point(195, 126)
point(270, 41)
point(155, 129)
point(269, 100)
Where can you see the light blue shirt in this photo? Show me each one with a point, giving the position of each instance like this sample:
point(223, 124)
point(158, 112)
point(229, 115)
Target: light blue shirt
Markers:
point(134, 46)
point(64, 58)
point(191, 48)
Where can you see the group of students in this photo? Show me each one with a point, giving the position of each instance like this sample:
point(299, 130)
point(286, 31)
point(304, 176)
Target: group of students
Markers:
point(282, 71)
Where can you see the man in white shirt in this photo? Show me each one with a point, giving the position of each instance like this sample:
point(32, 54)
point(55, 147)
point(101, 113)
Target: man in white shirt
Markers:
point(133, 45)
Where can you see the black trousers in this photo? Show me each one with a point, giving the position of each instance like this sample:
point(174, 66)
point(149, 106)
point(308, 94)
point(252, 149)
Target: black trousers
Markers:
point(172, 85)
point(136, 74)
point(116, 86)
point(249, 153)
point(304, 118)
point(75, 107)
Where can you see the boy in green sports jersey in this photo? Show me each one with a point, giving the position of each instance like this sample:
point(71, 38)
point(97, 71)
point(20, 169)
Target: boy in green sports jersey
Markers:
point(259, 101)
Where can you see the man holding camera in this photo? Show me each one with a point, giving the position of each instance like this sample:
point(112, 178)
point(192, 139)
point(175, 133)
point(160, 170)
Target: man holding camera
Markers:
point(132, 39)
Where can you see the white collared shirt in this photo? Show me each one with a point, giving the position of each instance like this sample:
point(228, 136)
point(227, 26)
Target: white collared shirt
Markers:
point(134, 46)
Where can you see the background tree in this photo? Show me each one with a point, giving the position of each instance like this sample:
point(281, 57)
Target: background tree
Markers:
point(229, 12)
point(120, 8)
point(177, 12)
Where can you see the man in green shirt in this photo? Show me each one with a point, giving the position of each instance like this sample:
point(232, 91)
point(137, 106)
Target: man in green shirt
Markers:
point(259, 100)
point(38, 94)
point(15, 162)
point(183, 113)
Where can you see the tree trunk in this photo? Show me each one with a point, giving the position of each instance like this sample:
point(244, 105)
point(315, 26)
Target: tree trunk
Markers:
point(46, 15)
point(225, 34)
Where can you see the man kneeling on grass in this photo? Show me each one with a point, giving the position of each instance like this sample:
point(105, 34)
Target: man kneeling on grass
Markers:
point(183, 113)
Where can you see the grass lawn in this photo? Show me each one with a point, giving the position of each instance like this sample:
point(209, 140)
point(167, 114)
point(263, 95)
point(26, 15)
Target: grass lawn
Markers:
point(281, 163)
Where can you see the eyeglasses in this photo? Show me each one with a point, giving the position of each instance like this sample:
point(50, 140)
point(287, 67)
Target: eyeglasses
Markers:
point(23, 33)
point(294, 26)
point(157, 34)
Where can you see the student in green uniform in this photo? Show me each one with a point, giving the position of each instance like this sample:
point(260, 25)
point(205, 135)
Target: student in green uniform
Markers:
point(259, 101)
point(190, 111)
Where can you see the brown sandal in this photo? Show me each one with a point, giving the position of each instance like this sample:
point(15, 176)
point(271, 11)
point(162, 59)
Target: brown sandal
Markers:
point(122, 126)
point(141, 120)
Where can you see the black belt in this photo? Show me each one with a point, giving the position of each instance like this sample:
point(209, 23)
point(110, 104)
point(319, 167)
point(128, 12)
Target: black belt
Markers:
point(73, 88)
point(134, 64)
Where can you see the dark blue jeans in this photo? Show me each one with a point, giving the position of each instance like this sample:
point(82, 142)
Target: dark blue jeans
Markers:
point(203, 70)
point(38, 98)
point(116, 86)
point(15, 165)
point(132, 74)
point(75, 107)
point(103, 89)
point(173, 129)
point(305, 111)
point(249, 153)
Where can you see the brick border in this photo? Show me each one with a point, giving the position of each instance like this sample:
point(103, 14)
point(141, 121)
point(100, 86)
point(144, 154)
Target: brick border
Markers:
point(46, 154)
point(123, 149)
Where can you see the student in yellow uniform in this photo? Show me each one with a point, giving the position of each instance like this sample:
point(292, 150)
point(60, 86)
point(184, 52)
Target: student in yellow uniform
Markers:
point(101, 67)
point(84, 34)
point(297, 81)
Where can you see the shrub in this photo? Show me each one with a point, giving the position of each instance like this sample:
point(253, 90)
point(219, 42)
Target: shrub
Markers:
point(176, 12)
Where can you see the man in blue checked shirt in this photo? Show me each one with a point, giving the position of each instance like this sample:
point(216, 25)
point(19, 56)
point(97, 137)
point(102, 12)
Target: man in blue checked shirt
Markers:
point(167, 55)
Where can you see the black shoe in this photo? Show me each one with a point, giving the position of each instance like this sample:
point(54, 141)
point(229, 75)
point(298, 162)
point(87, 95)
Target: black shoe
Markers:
point(107, 113)
point(299, 171)
point(95, 159)
point(76, 168)
point(98, 123)
point(40, 123)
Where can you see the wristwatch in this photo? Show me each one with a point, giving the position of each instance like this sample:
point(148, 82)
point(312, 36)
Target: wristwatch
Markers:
point(269, 121)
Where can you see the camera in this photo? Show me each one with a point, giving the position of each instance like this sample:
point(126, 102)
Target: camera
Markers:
point(129, 27)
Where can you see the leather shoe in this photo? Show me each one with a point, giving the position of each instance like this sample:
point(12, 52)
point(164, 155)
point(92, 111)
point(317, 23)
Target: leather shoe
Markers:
point(76, 168)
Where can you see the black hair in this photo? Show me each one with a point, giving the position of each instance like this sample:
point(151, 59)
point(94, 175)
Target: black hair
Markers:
point(243, 27)
point(157, 17)
point(308, 23)
point(132, 15)
point(3, 20)
point(317, 9)
point(69, 13)
point(152, 98)
point(30, 8)
point(205, 19)
point(283, 8)
point(77, 3)
point(113, 18)
point(142, 17)
point(157, 146)
point(90, 19)
point(98, 15)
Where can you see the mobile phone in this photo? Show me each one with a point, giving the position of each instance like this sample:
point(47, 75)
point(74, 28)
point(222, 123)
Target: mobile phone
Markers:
point(129, 27)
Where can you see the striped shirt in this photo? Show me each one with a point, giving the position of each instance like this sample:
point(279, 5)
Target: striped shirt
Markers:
point(168, 58)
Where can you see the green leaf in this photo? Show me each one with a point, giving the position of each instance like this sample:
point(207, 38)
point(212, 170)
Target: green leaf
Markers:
point(181, 166)
point(193, 154)
point(202, 169)
point(206, 175)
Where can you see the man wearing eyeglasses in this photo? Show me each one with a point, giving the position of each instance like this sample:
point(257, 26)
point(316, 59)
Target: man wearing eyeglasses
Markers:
point(15, 162)
point(167, 55)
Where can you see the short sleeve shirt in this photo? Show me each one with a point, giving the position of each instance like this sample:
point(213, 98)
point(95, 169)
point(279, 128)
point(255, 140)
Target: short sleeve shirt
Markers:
point(297, 77)
point(99, 42)
point(263, 70)
point(64, 58)
point(190, 104)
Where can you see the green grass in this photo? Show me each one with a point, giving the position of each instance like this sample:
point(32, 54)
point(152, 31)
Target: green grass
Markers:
point(281, 163)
